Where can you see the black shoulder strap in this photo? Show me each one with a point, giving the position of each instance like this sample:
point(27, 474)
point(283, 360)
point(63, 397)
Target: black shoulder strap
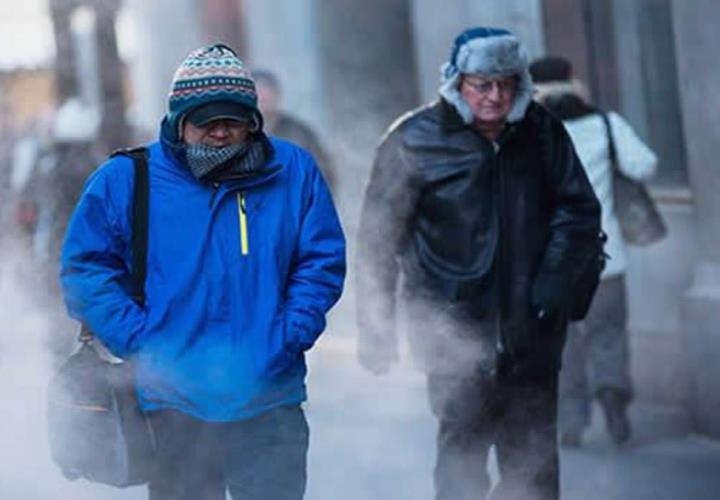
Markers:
point(139, 225)
point(612, 150)
point(141, 194)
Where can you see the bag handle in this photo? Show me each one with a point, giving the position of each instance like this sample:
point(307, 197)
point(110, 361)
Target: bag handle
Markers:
point(139, 228)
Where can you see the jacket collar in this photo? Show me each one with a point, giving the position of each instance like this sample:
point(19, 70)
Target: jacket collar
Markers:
point(176, 155)
point(451, 121)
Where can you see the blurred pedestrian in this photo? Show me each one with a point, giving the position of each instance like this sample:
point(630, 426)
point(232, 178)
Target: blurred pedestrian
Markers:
point(245, 257)
point(479, 202)
point(596, 361)
point(281, 124)
point(67, 158)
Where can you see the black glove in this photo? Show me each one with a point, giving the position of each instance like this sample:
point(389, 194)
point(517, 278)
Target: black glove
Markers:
point(550, 295)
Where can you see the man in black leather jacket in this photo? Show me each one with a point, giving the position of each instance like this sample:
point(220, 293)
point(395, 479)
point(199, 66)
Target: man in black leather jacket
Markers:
point(479, 202)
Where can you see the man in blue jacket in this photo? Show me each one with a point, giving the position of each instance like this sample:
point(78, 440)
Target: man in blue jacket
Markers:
point(245, 257)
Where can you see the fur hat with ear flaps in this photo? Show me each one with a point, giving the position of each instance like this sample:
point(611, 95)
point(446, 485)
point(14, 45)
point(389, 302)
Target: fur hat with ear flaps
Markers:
point(487, 52)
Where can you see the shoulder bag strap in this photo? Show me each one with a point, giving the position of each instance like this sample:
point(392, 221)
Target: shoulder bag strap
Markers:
point(141, 194)
point(139, 227)
point(612, 150)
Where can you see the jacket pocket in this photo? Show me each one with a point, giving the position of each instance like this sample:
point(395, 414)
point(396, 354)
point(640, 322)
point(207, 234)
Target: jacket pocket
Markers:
point(280, 355)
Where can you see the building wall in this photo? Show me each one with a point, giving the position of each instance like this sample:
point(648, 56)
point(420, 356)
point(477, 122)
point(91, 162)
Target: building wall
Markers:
point(696, 41)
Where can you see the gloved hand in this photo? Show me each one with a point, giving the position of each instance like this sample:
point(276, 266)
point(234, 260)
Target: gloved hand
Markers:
point(550, 295)
point(377, 354)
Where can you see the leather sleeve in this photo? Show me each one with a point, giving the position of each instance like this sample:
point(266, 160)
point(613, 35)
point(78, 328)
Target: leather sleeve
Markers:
point(574, 222)
point(387, 213)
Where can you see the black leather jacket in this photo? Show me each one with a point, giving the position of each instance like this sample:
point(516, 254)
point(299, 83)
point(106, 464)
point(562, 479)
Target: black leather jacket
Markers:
point(471, 223)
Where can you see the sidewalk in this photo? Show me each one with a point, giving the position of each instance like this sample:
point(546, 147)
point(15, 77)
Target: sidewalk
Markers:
point(686, 467)
point(372, 438)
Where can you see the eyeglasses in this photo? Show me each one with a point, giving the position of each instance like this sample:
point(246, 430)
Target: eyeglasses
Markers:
point(504, 85)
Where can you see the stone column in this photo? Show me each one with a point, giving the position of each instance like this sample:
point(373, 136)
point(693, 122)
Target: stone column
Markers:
point(66, 84)
point(223, 23)
point(165, 31)
point(369, 72)
point(282, 36)
point(696, 41)
point(114, 131)
point(84, 33)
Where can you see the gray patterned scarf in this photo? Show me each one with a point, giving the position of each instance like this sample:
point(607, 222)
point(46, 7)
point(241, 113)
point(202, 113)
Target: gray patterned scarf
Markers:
point(209, 164)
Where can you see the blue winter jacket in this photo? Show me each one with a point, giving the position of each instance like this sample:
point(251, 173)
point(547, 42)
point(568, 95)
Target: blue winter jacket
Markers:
point(239, 279)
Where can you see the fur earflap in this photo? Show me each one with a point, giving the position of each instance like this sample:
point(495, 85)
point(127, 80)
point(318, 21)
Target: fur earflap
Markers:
point(494, 53)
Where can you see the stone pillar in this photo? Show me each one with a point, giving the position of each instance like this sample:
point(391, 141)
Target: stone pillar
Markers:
point(370, 77)
point(630, 72)
point(564, 25)
point(584, 32)
point(165, 31)
point(84, 32)
point(282, 36)
point(369, 72)
point(66, 84)
point(114, 131)
point(437, 23)
point(223, 23)
point(696, 41)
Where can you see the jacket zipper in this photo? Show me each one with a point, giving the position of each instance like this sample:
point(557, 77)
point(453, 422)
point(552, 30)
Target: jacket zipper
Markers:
point(244, 243)
point(215, 188)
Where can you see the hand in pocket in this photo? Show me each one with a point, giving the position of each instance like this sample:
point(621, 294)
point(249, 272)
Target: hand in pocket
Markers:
point(282, 354)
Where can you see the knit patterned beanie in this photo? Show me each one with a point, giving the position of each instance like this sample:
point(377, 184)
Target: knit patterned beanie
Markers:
point(210, 74)
point(490, 52)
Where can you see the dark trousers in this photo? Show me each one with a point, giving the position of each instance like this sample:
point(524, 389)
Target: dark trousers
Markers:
point(261, 458)
point(516, 413)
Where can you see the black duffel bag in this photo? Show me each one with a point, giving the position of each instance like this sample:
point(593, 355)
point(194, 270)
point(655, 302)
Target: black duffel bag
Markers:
point(96, 428)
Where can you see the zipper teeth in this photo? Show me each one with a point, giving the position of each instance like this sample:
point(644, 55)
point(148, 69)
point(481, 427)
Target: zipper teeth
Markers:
point(244, 247)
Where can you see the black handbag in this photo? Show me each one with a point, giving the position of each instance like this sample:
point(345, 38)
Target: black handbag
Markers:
point(96, 429)
point(640, 222)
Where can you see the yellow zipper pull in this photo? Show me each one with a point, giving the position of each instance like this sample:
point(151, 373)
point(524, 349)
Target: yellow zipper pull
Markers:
point(244, 246)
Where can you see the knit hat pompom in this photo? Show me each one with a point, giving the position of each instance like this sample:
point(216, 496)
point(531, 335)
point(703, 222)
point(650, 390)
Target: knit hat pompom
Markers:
point(488, 52)
point(213, 73)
